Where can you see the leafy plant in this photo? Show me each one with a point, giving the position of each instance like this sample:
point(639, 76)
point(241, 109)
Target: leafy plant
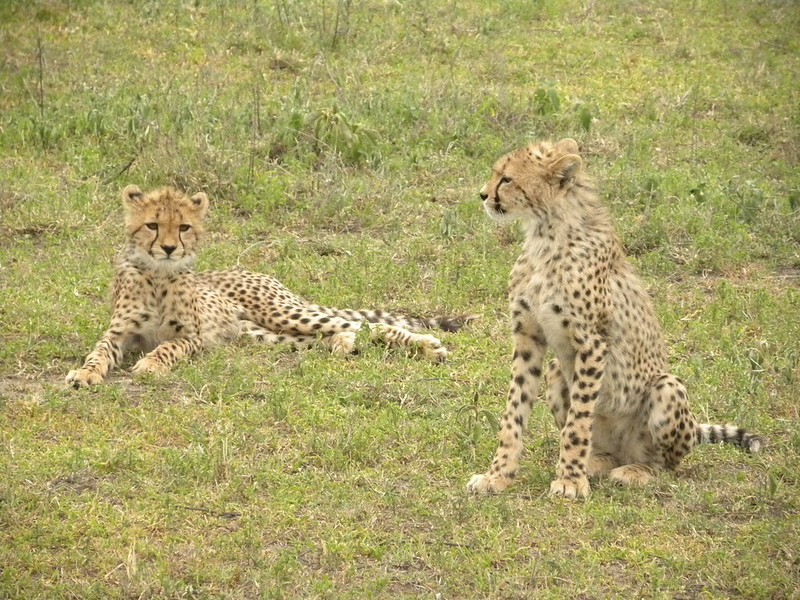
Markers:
point(476, 422)
point(330, 131)
point(449, 222)
point(585, 117)
point(546, 101)
point(333, 129)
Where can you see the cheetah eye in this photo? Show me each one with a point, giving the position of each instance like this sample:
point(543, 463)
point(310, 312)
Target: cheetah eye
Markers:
point(505, 180)
point(185, 227)
point(151, 226)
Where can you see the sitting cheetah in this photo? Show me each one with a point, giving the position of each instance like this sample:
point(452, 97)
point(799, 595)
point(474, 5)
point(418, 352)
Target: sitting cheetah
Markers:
point(620, 412)
point(163, 307)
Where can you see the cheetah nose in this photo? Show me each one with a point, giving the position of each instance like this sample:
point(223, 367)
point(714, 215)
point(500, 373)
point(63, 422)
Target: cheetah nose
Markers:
point(483, 195)
point(168, 249)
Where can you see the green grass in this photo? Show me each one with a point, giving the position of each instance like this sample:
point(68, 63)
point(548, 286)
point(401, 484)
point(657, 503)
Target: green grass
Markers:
point(343, 144)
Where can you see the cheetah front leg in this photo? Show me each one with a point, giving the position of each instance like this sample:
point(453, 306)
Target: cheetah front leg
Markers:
point(107, 353)
point(557, 393)
point(576, 436)
point(132, 319)
point(671, 427)
point(600, 463)
point(526, 372)
point(166, 354)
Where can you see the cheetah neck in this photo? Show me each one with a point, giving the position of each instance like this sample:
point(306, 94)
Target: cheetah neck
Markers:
point(580, 214)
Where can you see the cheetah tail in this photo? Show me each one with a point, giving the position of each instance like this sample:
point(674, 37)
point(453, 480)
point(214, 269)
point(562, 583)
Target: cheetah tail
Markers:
point(399, 320)
point(729, 434)
point(444, 323)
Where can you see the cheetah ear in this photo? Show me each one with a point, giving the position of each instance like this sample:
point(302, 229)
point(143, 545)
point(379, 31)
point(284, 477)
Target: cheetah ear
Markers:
point(200, 203)
point(131, 194)
point(564, 168)
point(567, 146)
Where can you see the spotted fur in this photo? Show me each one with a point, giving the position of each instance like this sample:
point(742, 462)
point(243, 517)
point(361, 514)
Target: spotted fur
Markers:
point(572, 290)
point(164, 308)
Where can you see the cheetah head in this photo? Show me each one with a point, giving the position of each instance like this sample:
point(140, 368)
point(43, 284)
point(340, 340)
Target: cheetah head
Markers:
point(163, 226)
point(529, 181)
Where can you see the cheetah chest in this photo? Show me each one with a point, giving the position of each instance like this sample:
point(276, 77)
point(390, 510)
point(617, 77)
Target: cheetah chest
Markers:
point(549, 310)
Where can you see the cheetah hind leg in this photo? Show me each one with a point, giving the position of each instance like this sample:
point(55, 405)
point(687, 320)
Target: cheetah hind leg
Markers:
point(601, 463)
point(633, 474)
point(344, 342)
point(672, 428)
point(671, 422)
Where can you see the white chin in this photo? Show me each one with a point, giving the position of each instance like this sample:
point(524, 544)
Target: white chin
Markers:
point(164, 263)
point(497, 215)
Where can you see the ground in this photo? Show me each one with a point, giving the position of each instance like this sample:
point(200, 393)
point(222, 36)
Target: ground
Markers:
point(335, 139)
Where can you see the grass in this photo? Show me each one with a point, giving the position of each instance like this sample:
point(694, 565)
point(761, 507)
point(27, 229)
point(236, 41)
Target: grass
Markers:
point(343, 144)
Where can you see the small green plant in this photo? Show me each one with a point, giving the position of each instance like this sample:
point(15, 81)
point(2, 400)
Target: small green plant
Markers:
point(585, 117)
point(752, 135)
point(333, 129)
point(772, 481)
point(449, 222)
point(546, 100)
point(793, 200)
point(698, 192)
point(757, 361)
point(329, 130)
point(748, 200)
point(363, 336)
point(331, 23)
point(476, 422)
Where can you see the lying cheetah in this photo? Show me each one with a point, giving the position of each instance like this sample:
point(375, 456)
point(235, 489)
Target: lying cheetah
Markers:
point(620, 412)
point(163, 307)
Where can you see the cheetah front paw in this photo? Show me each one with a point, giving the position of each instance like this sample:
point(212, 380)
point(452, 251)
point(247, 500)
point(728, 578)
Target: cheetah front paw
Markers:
point(147, 364)
point(79, 378)
point(570, 488)
point(486, 484)
point(432, 348)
